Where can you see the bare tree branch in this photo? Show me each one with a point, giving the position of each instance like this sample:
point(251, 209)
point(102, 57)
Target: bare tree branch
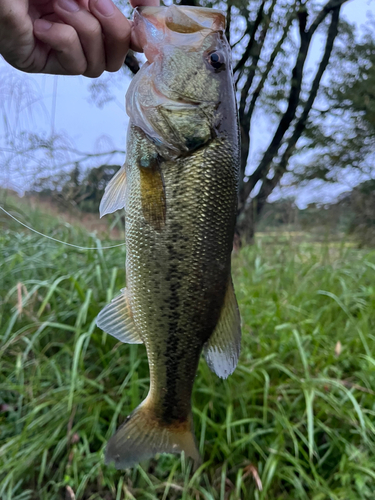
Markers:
point(294, 96)
point(269, 184)
point(253, 28)
point(269, 66)
point(331, 5)
point(229, 19)
point(287, 117)
point(244, 120)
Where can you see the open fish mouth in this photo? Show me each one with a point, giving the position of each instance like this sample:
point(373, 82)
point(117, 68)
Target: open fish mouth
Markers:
point(178, 26)
point(182, 19)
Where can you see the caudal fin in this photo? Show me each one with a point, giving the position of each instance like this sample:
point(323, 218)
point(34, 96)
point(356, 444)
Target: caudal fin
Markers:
point(142, 435)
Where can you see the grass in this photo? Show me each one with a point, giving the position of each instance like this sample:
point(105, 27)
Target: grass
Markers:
point(295, 421)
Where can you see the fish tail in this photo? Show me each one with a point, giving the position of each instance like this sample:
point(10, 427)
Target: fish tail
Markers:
point(142, 435)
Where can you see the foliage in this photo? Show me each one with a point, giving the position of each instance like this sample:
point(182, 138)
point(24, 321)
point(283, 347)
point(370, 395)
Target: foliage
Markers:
point(73, 189)
point(342, 132)
point(335, 220)
point(319, 116)
point(352, 216)
point(278, 214)
point(298, 412)
point(361, 204)
point(271, 41)
point(275, 82)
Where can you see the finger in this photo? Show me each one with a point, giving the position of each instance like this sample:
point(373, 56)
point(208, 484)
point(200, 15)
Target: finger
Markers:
point(116, 30)
point(151, 3)
point(89, 32)
point(67, 56)
point(16, 32)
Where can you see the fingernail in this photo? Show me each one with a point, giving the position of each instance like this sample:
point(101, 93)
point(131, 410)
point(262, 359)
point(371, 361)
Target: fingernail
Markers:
point(105, 7)
point(68, 5)
point(42, 25)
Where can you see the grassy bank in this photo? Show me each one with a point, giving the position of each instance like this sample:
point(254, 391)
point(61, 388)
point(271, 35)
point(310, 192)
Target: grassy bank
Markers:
point(295, 421)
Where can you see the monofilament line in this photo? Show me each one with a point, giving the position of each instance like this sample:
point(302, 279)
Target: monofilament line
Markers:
point(54, 239)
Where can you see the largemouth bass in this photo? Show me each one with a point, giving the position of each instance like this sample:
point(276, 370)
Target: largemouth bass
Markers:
point(179, 190)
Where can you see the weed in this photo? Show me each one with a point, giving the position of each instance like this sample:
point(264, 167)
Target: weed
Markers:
point(296, 421)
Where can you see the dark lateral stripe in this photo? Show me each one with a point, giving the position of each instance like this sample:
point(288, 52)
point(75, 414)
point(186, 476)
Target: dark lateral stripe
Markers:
point(170, 407)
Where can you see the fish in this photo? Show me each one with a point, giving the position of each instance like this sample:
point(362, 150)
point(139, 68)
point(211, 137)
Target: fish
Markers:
point(179, 189)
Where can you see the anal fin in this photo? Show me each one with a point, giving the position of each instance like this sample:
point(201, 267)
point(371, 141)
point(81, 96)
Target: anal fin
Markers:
point(116, 319)
point(222, 349)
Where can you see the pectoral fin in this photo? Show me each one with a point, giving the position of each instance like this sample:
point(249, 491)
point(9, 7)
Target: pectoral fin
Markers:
point(153, 195)
point(114, 197)
point(222, 349)
point(116, 319)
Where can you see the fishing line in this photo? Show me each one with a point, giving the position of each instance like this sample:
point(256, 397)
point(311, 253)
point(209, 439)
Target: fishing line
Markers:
point(58, 241)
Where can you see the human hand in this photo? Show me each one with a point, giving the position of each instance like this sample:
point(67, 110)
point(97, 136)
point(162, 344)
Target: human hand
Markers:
point(65, 37)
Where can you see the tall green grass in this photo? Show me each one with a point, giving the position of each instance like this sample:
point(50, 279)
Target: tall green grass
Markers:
point(295, 421)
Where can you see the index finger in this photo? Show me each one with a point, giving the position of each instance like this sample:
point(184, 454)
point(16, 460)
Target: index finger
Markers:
point(116, 30)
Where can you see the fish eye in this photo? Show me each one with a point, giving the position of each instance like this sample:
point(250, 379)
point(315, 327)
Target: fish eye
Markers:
point(216, 59)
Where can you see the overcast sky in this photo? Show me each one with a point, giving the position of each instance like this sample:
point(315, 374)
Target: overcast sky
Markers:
point(63, 104)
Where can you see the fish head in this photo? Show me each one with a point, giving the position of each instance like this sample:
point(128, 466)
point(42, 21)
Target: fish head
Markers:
point(182, 96)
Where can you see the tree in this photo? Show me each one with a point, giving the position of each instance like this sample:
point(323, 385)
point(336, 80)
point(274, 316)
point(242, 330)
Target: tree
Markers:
point(76, 189)
point(342, 132)
point(360, 204)
point(264, 66)
point(271, 40)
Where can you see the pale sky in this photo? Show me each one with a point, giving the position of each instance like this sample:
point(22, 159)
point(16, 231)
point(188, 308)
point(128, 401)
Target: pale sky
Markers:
point(91, 128)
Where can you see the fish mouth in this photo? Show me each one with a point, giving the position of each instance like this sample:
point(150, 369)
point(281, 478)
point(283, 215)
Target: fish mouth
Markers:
point(183, 18)
point(175, 25)
point(177, 121)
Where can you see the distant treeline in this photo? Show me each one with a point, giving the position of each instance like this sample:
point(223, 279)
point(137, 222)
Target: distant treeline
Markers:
point(353, 213)
point(76, 188)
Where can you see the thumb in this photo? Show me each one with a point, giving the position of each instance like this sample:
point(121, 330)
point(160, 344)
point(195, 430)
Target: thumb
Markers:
point(17, 40)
